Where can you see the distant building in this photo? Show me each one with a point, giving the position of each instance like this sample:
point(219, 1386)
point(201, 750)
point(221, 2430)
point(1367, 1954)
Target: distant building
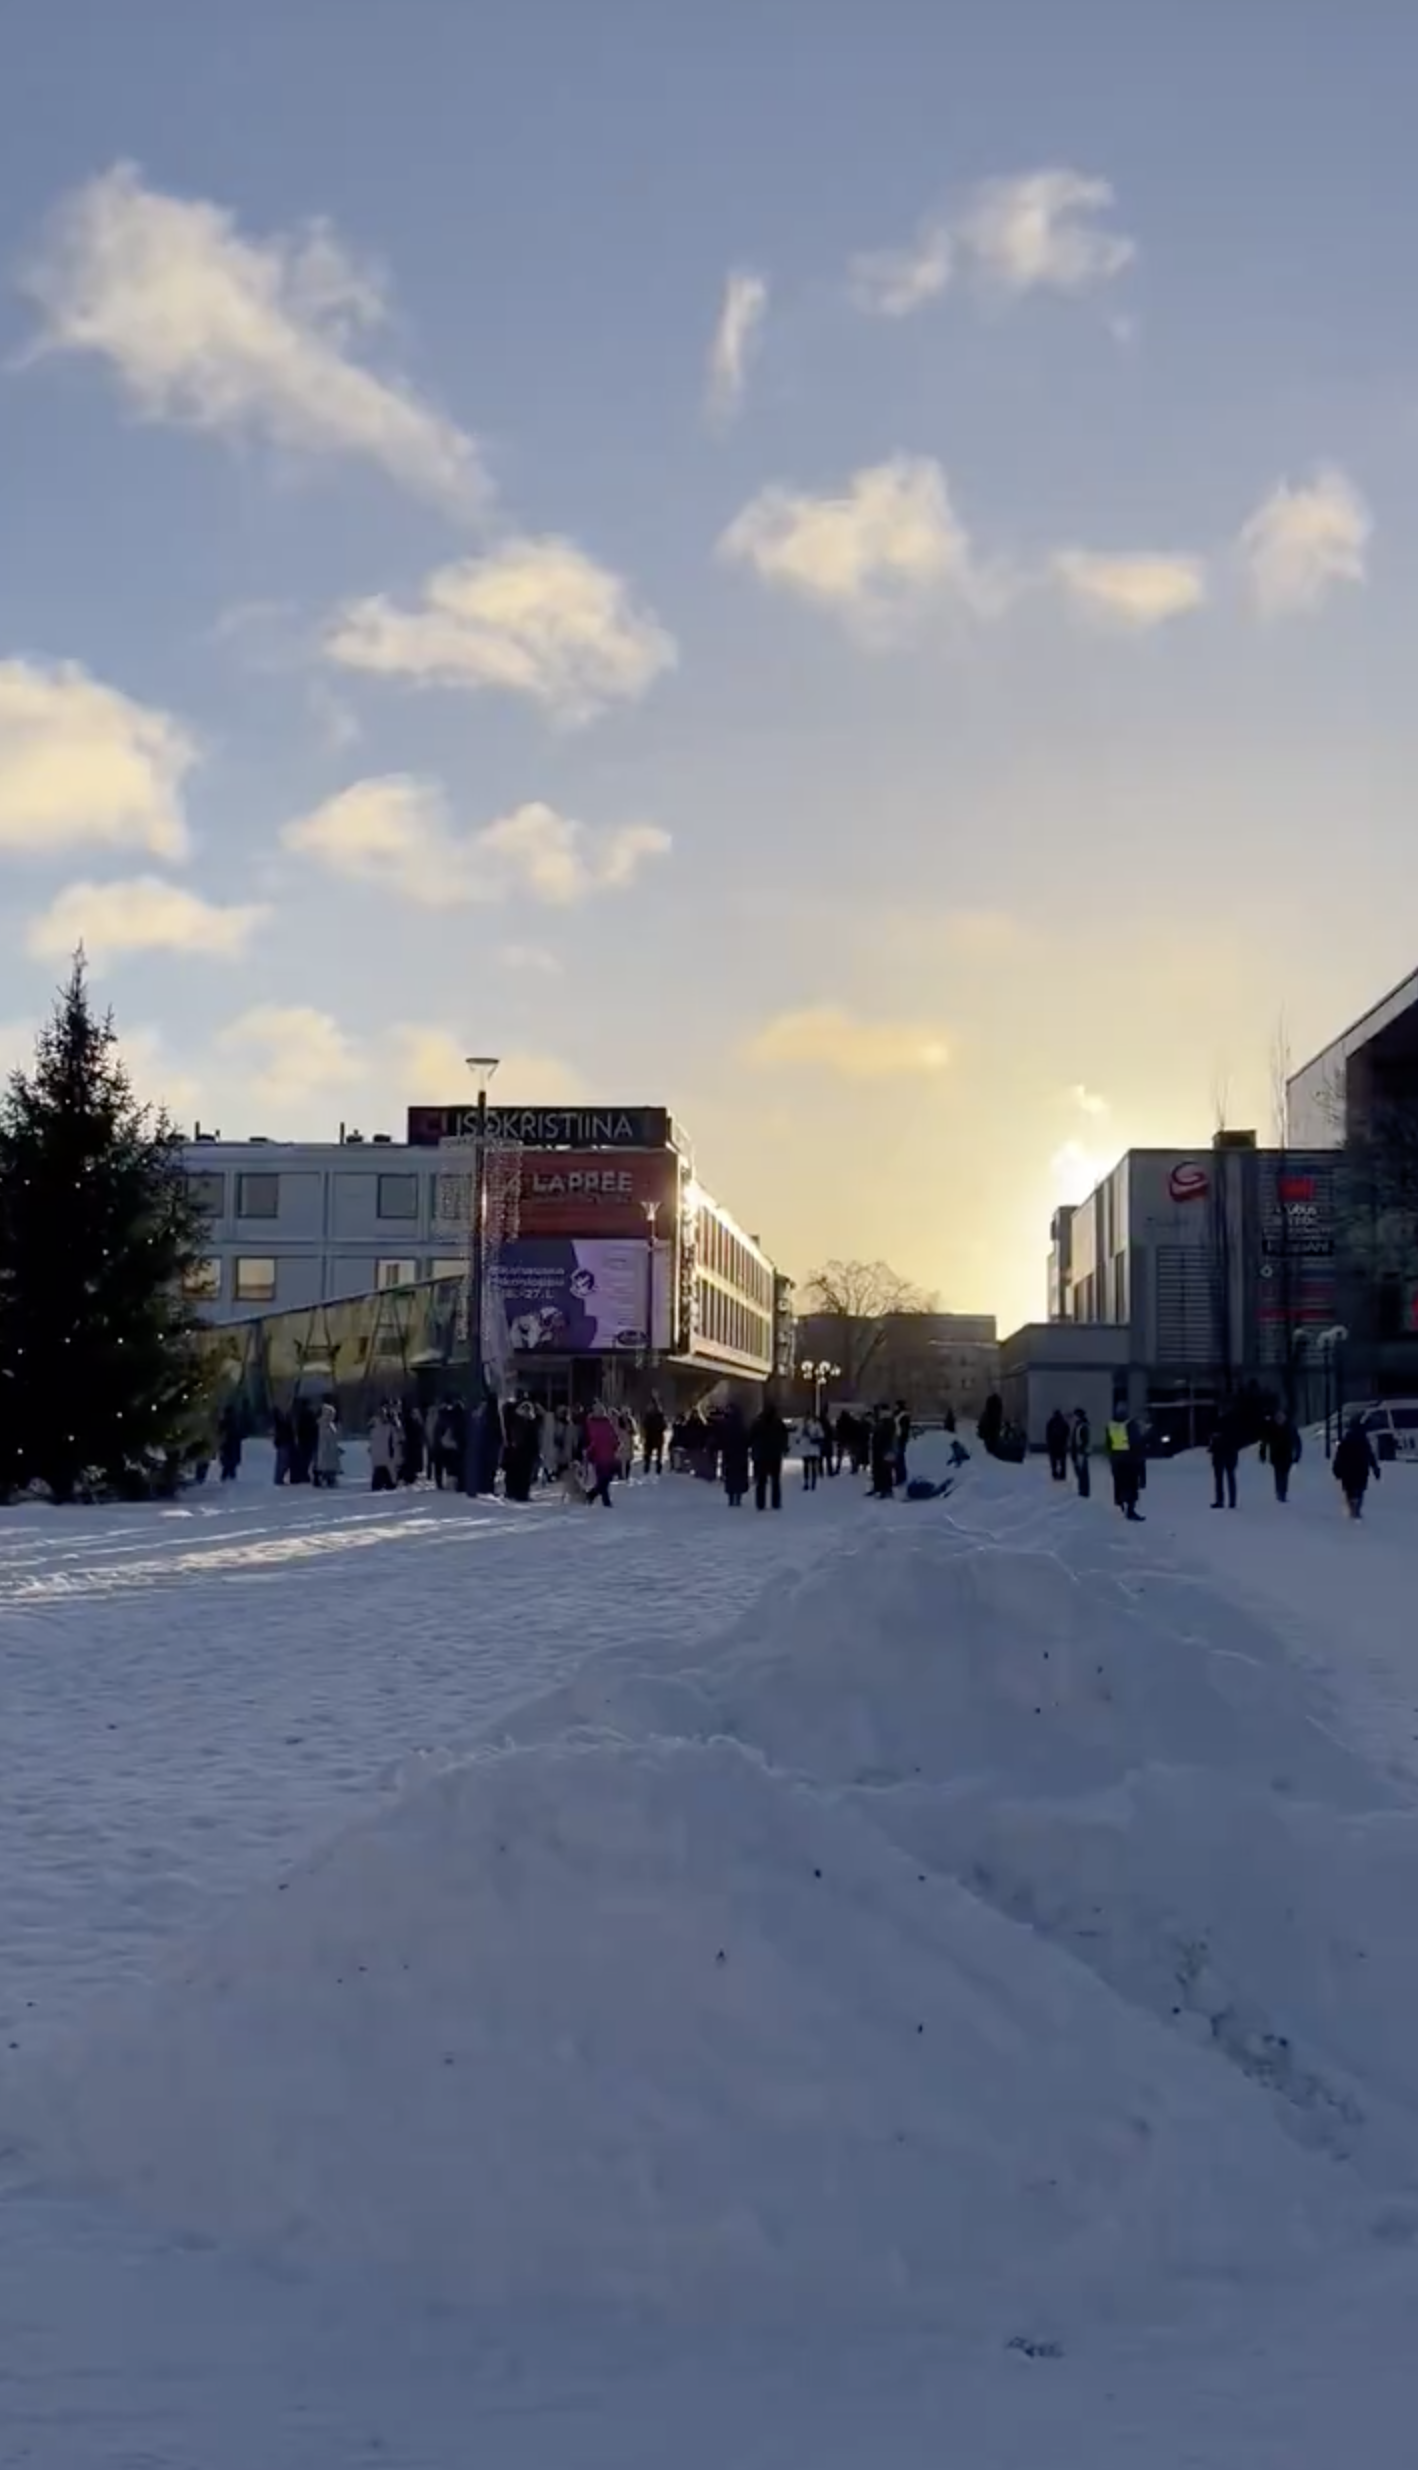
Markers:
point(936, 1361)
point(612, 1245)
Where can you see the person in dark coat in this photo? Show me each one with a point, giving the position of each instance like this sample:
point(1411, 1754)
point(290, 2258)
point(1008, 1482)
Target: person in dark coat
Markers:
point(1080, 1450)
point(305, 1435)
point(1354, 1463)
point(1056, 1442)
point(734, 1455)
point(1225, 1458)
point(901, 1425)
point(652, 1429)
point(1282, 1447)
point(768, 1447)
point(411, 1443)
point(229, 1441)
point(883, 1455)
point(829, 1442)
point(283, 1438)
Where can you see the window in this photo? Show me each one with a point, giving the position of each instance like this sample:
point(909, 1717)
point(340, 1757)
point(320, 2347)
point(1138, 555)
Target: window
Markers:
point(255, 1280)
point(258, 1196)
point(395, 1273)
point(202, 1282)
point(208, 1192)
point(398, 1196)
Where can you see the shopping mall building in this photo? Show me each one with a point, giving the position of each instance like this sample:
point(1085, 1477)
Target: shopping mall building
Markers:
point(605, 1257)
point(1188, 1275)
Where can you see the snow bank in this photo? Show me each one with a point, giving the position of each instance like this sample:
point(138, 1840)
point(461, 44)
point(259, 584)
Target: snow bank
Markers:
point(653, 2025)
point(981, 1926)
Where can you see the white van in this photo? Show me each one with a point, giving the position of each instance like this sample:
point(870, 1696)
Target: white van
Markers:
point(1392, 1426)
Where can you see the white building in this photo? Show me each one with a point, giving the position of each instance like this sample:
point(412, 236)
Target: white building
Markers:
point(304, 1222)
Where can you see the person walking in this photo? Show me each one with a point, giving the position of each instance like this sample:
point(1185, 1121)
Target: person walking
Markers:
point(734, 1455)
point(383, 1451)
point(901, 1431)
point(1354, 1464)
point(602, 1454)
point(229, 1441)
point(1080, 1448)
point(325, 1468)
point(883, 1455)
point(1056, 1442)
point(652, 1435)
point(768, 1447)
point(831, 1446)
point(1225, 1458)
point(810, 1439)
point(1282, 1447)
point(1123, 1460)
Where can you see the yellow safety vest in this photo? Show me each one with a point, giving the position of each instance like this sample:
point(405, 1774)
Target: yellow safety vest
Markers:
point(1118, 1442)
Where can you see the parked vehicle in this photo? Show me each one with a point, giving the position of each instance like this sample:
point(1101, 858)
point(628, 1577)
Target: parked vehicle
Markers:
point(1391, 1425)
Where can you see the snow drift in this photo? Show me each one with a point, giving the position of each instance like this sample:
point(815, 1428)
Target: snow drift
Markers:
point(883, 1957)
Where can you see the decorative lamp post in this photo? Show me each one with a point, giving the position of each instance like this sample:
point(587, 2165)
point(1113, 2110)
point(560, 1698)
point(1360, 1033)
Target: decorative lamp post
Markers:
point(652, 1212)
point(820, 1375)
point(483, 1066)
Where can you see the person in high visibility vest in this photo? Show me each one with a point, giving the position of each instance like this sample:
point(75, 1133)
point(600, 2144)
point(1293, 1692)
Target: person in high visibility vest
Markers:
point(1123, 1457)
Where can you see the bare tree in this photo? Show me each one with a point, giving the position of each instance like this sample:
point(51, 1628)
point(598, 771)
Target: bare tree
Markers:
point(857, 1299)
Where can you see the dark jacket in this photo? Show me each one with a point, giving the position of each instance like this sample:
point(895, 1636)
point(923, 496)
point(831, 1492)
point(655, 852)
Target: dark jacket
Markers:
point(734, 1451)
point(1225, 1443)
point(768, 1439)
point(1354, 1460)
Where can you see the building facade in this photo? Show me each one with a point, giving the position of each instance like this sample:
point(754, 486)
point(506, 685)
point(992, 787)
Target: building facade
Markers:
point(939, 1362)
point(604, 1242)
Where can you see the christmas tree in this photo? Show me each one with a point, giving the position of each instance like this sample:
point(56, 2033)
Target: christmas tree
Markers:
point(99, 1236)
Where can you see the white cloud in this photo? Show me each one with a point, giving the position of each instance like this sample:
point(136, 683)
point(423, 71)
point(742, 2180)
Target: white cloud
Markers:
point(1042, 231)
point(1136, 589)
point(1088, 1101)
point(1075, 1171)
point(81, 765)
point(529, 960)
point(897, 282)
point(156, 1079)
point(291, 1051)
point(736, 340)
point(396, 832)
point(1304, 540)
point(878, 551)
point(431, 1064)
point(535, 617)
point(836, 1041)
point(210, 330)
point(144, 914)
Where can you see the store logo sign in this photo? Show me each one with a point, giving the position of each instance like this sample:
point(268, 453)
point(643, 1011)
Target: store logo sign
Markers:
point(1188, 1182)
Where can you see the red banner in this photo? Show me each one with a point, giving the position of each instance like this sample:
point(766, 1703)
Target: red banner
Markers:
point(598, 1192)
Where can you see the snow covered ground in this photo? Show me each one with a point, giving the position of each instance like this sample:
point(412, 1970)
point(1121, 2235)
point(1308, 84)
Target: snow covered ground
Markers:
point(918, 1984)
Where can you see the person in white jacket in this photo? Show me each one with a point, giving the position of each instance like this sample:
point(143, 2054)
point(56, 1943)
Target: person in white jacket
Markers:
point(810, 1443)
point(326, 1469)
point(383, 1452)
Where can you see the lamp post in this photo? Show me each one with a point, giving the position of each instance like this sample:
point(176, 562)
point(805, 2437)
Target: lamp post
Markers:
point(819, 1375)
point(474, 1471)
point(652, 1212)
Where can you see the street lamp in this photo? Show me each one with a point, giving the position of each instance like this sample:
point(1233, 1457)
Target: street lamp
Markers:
point(483, 1068)
point(819, 1375)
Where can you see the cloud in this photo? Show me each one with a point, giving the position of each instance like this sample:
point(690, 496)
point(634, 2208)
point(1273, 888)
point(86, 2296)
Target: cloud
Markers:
point(833, 1040)
point(1075, 1171)
point(431, 1063)
point(144, 914)
point(396, 832)
point(529, 960)
point(1304, 540)
point(1137, 589)
point(1088, 1102)
point(292, 1050)
point(535, 617)
point(736, 340)
point(890, 542)
point(207, 329)
point(1042, 231)
point(83, 766)
point(897, 282)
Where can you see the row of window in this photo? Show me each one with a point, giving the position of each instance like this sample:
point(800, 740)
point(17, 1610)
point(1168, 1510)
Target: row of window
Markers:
point(254, 1277)
point(259, 1195)
point(725, 1255)
point(726, 1321)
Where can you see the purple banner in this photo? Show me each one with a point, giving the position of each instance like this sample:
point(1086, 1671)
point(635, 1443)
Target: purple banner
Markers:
point(572, 1295)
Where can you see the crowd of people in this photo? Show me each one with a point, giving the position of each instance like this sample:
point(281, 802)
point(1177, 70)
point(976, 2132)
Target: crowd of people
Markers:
point(725, 1445)
point(1069, 1442)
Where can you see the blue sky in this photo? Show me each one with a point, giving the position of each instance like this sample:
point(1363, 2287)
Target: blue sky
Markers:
point(930, 744)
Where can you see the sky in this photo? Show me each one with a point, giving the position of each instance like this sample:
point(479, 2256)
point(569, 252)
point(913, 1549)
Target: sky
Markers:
point(847, 569)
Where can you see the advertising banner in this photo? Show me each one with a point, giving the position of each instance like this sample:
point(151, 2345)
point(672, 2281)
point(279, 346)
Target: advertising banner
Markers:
point(544, 1127)
point(566, 1192)
point(1298, 1272)
point(573, 1295)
